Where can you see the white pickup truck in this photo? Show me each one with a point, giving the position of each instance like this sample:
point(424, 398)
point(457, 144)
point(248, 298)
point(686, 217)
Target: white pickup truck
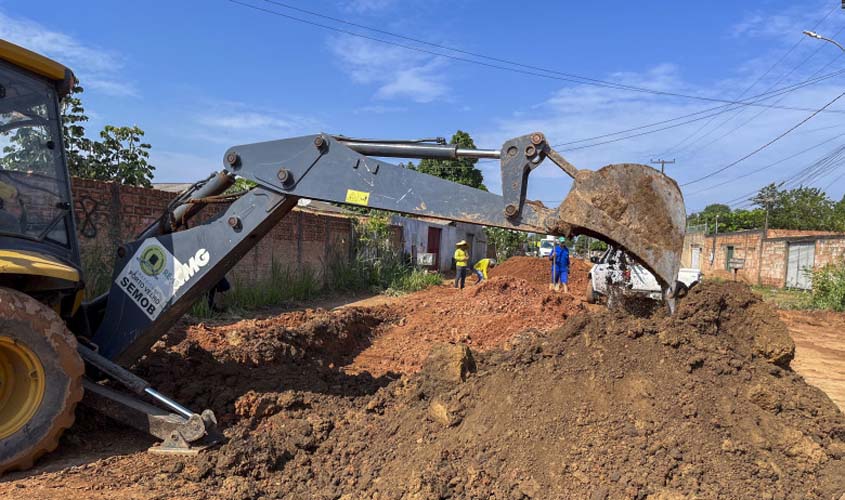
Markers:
point(616, 268)
point(547, 246)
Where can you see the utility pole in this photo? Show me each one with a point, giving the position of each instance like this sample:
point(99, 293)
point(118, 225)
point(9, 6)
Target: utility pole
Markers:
point(763, 236)
point(713, 251)
point(663, 163)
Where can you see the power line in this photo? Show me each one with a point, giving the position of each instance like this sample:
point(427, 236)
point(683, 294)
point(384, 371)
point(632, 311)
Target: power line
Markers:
point(759, 78)
point(765, 167)
point(740, 111)
point(764, 146)
point(826, 161)
point(834, 181)
point(757, 115)
point(549, 74)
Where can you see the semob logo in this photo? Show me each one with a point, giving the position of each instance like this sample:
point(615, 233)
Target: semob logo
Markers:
point(184, 272)
point(152, 260)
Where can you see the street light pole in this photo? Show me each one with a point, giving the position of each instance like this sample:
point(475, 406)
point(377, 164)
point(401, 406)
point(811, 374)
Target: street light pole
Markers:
point(815, 35)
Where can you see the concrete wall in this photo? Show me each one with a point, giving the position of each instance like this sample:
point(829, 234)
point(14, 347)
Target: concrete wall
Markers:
point(108, 214)
point(829, 248)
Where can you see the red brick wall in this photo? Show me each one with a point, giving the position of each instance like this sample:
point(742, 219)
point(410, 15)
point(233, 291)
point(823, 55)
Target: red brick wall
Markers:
point(109, 213)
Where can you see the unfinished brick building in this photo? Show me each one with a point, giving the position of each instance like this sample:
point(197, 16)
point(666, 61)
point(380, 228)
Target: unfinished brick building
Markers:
point(786, 255)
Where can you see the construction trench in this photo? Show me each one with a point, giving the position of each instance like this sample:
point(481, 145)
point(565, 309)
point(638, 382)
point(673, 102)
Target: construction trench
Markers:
point(503, 390)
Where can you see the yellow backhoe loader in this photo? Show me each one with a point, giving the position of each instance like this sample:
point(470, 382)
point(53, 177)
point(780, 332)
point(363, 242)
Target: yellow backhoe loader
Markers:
point(54, 346)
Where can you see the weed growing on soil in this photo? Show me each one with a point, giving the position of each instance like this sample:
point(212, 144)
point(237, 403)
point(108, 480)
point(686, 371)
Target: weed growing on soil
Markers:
point(415, 281)
point(282, 284)
point(97, 263)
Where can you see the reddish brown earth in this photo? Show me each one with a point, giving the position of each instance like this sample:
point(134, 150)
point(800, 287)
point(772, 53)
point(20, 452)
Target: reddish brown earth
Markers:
point(316, 404)
point(537, 271)
point(820, 349)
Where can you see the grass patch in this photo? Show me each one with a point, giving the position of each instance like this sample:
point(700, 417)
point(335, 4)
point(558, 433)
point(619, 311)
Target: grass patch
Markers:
point(97, 264)
point(784, 298)
point(414, 281)
point(280, 285)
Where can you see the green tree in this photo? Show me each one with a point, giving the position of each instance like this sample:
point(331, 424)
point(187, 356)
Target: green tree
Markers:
point(803, 207)
point(73, 131)
point(463, 170)
point(839, 215)
point(119, 155)
point(508, 243)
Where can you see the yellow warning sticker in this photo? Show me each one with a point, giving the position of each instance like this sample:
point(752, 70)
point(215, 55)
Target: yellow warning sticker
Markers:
point(357, 197)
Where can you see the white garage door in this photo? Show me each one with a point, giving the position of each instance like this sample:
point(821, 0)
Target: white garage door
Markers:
point(801, 258)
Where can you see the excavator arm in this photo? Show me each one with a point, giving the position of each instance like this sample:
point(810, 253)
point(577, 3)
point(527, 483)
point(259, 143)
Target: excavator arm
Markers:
point(158, 276)
point(161, 274)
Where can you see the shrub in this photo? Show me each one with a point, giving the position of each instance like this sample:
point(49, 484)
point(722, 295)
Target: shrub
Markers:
point(829, 287)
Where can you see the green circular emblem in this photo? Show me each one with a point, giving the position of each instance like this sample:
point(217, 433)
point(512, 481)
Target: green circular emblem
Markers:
point(152, 260)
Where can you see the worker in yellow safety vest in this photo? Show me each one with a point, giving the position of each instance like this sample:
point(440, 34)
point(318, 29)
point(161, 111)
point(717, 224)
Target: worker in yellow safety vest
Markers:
point(481, 267)
point(461, 263)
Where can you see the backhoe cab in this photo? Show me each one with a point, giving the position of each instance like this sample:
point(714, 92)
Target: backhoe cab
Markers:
point(159, 275)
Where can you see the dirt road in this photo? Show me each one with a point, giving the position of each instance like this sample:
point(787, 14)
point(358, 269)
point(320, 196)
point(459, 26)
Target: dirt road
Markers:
point(819, 350)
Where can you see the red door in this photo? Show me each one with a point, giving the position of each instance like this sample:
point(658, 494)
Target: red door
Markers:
point(434, 245)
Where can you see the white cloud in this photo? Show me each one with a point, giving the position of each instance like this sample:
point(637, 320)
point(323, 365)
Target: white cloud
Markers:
point(578, 112)
point(231, 122)
point(786, 24)
point(365, 6)
point(379, 109)
point(244, 120)
point(111, 87)
point(96, 68)
point(395, 72)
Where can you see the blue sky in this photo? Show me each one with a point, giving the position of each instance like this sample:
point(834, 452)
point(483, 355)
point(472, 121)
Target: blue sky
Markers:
point(200, 76)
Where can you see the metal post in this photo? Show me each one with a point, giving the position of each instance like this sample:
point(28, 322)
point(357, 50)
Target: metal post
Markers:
point(760, 250)
point(713, 252)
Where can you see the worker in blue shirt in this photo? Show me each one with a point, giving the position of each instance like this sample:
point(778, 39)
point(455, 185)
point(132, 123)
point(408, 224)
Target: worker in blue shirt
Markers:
point(560, 266)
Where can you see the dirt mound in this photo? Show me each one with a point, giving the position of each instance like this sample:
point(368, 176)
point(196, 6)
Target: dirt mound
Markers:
point(483, 316)
point(537, 271)
point(210, 366)
point(701, 405)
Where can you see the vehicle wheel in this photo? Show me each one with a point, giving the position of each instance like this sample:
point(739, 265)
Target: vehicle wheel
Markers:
point(681, 290)
point(591, 294)
point(40, 379)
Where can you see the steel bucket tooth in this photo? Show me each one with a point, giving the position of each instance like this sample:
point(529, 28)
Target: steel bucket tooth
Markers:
point(635, 207)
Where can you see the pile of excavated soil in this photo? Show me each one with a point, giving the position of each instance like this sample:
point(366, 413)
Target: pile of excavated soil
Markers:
point(700, 405)
point(483, 316)
point(537, 271)
point(211, 366)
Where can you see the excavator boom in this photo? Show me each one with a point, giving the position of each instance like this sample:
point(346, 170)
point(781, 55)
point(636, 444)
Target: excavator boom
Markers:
point(160, 275)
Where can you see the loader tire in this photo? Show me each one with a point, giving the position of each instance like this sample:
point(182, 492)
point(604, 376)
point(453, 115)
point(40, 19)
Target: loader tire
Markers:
point(36, 408)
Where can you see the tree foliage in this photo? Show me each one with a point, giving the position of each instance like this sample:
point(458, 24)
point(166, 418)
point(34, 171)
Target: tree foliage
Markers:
point(805, 208)
point(119, 154)
point(507, 243)
point(463, 170)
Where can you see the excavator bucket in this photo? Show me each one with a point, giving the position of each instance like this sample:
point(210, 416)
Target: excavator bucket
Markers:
point(634, 206)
